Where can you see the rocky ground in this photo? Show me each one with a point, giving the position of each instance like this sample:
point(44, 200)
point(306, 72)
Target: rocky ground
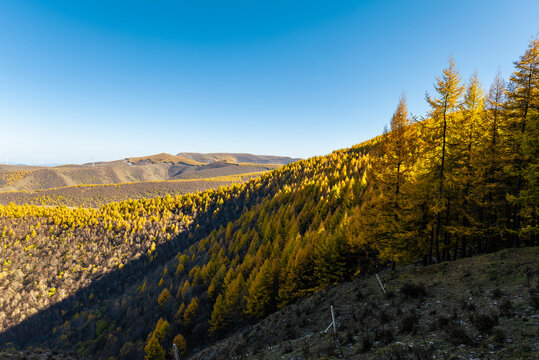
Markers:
point(36, 354)
point(475, 308)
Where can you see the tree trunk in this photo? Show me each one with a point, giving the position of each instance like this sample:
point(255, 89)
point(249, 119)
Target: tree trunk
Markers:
point(440, 193)
point(447, 246)
point(516, 241)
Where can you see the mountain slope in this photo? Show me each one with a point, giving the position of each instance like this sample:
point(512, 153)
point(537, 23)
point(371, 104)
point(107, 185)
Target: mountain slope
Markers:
point(417, 319)
point(450, 308)
point(146, 168)
point(189, 272)
point(481, 307)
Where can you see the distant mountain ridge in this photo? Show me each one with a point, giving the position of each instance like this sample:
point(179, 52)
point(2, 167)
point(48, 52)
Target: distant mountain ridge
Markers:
point(238, 158)
point(162, 158)
point(156, 167)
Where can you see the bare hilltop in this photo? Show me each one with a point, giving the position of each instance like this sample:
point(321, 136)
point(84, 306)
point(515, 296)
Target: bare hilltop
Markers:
point(156, 167)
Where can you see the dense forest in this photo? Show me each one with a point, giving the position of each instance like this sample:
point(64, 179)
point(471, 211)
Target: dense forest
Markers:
point(130, 278)
point(95, 196)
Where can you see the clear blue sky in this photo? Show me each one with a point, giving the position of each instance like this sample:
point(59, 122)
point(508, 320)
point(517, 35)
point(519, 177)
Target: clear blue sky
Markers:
point(109, 79)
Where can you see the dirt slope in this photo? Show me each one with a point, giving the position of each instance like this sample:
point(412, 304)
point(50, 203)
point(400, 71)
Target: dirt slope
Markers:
point(475, 308)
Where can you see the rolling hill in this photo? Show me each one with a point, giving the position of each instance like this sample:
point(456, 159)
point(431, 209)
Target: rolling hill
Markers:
point(95, 196)
point(147, 168)
point(163, 158)
point(238, 158)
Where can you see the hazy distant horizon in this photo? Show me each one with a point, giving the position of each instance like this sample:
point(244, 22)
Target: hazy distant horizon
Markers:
point(132, 156)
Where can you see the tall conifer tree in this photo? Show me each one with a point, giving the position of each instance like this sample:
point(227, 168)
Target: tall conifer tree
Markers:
point(522, 108)
point(492, 159)
point(465, 140)
point(385, 214)
point(443, 109)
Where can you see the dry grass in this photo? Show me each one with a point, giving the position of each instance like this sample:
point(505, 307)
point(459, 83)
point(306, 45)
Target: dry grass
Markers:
point(10, 177)
point(455, 310)
point(164, 158)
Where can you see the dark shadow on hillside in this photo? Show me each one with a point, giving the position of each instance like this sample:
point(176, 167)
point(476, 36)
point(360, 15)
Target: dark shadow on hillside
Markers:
point(37, 330)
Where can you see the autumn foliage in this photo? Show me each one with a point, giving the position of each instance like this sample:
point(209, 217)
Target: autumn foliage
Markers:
point(460, 182)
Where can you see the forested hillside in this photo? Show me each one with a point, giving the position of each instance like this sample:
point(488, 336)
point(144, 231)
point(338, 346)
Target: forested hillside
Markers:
point(461, 182)
point(95, 196)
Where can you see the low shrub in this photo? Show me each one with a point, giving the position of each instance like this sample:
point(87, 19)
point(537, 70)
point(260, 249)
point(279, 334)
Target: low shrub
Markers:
point(484, 322)
point(466, 305)
point(396, 352)
point(534, 298)
point(414, 291)
point(498, 335)
point(505, 307)
point(384, 335)
point(348, 337)
point(497, 293)
point(306, 351)
point(384, 317)
point(456, 333)
point(403, 352)
point(365, 343)
point(408, 323)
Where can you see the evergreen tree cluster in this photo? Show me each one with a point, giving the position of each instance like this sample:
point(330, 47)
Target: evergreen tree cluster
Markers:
point(463, 181)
